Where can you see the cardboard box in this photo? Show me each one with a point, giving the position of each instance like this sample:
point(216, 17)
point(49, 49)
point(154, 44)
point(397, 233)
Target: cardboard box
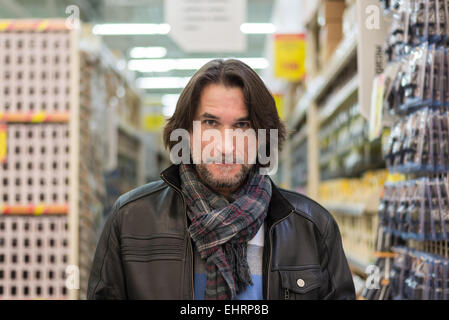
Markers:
point(327, 52)
point(331, 32)
point(331, 11)
point(330, 37)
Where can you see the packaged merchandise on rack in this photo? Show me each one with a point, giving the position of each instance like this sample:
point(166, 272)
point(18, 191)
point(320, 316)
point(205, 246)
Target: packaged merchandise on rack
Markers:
point(384, 262)
point(418, 143)
point(419, 275)
point(413, 210)
point(416, 209)
point(420, 82)
point(345, 148)
point(415, 22)
point(358, 190)
point(396, 39)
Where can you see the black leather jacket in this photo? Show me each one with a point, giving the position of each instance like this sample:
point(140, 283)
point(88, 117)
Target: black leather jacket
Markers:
point(145, 251)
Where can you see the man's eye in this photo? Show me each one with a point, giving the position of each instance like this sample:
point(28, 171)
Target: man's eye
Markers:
point(209, 122)
point(242, 125)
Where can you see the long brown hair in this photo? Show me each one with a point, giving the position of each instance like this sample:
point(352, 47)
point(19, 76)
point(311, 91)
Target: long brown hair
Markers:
point(231, 73)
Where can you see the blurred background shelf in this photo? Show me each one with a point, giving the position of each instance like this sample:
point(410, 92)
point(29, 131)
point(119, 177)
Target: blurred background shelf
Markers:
point(352, 209)
point(82, 109)
point(344, 169)
point(344, 55)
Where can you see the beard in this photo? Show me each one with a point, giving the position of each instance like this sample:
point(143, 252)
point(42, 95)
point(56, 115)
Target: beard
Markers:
point(225, 182)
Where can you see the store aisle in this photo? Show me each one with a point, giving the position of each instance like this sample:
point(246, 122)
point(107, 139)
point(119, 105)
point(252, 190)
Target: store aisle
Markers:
point(86, 88)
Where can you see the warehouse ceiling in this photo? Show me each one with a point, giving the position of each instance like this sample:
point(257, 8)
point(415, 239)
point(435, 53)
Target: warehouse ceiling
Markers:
point(137, 11)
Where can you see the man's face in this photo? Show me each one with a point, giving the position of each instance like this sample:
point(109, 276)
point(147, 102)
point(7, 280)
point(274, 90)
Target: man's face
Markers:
point(223, 108)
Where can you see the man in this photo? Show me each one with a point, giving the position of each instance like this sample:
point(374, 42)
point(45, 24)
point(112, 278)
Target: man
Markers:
point(209, 230)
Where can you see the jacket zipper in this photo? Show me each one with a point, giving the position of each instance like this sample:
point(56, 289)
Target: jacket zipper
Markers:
point(186, 223)
point(271, 252)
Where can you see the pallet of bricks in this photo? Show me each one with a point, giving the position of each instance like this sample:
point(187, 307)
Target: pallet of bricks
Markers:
point(412, 238)
point(50, 173)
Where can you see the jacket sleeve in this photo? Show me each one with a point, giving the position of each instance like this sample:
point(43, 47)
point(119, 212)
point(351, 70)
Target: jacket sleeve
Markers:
point(106, 280)
point(341, 283)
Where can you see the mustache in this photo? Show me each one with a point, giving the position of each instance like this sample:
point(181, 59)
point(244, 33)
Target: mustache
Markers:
point(221, 159)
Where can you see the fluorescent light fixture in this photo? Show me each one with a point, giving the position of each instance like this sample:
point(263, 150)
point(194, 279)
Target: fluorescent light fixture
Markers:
point(164, 28)
point(147, 52)
point(130, 28)
point(256, 63)
point(257, 28)
point(169, 102)
point(150, 65)
point(162, 82)
point(165, 65)
point(170, 99)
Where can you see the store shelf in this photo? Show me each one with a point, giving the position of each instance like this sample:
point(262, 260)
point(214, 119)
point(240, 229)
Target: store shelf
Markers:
point(34, 25)
point(299, 137)
point(344, 53)
point(347, 147)
point(352, 209)
point(34, 209)
point(35, 117)
point(108, 61)
point(57, 144)
point(128, 129)
point(338, 99)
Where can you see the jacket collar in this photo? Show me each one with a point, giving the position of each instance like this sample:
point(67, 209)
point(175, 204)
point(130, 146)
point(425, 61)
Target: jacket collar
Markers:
point(278, 209)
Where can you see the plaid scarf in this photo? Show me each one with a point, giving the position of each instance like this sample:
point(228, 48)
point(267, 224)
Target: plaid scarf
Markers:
point(221, 230)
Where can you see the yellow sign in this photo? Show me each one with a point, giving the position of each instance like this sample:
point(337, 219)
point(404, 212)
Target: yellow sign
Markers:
point(3, 142)
point(279, 99)
point(153, 122)
point(290, 56)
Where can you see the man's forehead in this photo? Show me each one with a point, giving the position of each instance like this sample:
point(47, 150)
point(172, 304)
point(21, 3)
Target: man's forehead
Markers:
point(220, 104)
point(218, 110)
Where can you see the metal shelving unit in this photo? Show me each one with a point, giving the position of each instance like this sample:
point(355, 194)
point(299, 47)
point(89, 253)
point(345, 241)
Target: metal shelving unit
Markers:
point(329, 92)
point(54, 108)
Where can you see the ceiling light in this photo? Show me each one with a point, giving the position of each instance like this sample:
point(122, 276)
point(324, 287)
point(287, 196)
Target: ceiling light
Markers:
point(169, 102)
point(256, 63)
point(257, 28)
point(162, 82)
point(147, 52)
point(165, 65)
point(130, 28)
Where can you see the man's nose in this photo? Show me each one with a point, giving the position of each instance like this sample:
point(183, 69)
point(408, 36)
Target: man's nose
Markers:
point(226, 147)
